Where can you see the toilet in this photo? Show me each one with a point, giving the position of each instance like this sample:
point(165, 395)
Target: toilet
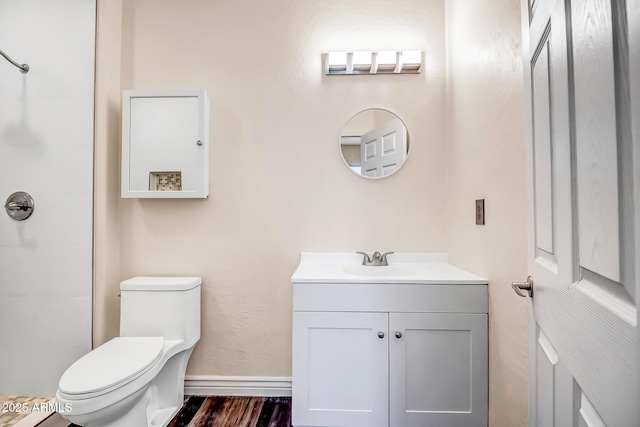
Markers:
point(137, 379)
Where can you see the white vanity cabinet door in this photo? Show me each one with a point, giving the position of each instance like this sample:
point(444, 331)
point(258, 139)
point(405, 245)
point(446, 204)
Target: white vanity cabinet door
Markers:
point(438, 369)
point(340, 369)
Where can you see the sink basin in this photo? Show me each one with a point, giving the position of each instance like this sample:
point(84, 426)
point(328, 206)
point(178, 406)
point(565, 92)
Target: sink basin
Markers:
point(378, 271)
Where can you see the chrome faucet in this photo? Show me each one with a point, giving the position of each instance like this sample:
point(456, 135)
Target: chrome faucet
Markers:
point(376, 259)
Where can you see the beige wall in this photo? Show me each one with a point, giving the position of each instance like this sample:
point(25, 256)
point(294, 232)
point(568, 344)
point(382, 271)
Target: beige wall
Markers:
point(485, 160)
point(278, 183)
point(106, 171)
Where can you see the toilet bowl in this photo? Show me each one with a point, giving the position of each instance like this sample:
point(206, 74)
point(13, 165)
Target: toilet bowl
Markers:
point(137, 379)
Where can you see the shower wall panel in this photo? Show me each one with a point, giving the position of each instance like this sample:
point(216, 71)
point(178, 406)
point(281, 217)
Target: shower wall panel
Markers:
point(46, 149)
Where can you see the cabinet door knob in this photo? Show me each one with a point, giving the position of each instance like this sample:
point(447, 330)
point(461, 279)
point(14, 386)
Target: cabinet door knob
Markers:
point(398, 334)
point(380, 335)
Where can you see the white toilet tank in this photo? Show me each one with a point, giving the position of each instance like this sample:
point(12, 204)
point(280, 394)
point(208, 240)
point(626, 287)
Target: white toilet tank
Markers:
point(166, 307)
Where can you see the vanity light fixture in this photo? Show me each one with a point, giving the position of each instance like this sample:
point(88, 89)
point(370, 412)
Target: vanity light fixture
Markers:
point(365, 62)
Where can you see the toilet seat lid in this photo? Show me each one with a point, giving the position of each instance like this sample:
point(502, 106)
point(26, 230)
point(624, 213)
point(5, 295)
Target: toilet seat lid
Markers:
point(118, 361)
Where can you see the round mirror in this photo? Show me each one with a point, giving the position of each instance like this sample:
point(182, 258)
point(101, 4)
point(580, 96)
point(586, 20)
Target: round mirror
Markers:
point(374, 143)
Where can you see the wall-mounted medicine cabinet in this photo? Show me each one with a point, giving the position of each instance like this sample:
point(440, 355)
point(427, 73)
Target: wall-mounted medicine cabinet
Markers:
point(165, 144)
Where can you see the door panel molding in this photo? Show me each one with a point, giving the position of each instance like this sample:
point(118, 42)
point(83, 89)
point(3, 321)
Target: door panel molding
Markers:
point(543, 150)
point(623, 75)
point(609, 294)
point(588, 415)
point(596, 145)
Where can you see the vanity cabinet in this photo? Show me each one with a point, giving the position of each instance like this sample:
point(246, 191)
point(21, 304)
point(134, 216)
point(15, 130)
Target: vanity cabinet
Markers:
point(389, 369)
point(389, 354)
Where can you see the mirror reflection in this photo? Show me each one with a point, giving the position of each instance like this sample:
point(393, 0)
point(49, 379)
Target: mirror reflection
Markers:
point(374, 143)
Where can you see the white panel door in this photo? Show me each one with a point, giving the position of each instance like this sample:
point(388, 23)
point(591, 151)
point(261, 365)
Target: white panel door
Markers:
point(438, 364)
point(340, 369)
point(383, 150)
point(583, 227)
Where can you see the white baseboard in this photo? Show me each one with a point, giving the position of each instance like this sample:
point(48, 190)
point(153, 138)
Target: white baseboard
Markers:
point(213, 385)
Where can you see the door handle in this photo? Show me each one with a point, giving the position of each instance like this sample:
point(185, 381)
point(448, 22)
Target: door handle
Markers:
point(518, 287)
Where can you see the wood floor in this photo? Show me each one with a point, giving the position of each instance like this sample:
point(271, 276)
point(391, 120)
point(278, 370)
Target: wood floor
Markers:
point(215, 411)
point(234, 412)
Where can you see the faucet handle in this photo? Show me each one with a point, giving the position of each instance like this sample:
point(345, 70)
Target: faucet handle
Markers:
point(366, 258)
point(384, 256)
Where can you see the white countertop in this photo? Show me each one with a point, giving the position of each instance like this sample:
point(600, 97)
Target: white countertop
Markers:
point(416, 268)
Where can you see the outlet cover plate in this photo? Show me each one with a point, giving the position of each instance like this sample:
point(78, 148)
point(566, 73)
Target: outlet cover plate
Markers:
point(480, 212)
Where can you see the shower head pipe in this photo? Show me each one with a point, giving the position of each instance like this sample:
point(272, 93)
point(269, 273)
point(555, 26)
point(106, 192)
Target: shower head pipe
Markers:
point(24, 68)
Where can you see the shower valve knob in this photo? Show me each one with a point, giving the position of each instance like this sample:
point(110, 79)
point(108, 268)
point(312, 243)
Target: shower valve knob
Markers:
point(19, 206)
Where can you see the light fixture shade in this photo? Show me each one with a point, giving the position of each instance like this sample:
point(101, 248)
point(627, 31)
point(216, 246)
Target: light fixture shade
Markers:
point(362, 61)
point(411, 61)
point(387, 57)
point(336, 62)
